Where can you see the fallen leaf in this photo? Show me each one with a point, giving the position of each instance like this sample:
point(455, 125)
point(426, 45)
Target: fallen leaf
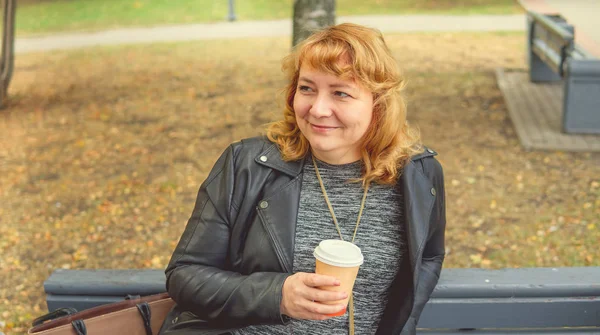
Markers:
point(476, 259)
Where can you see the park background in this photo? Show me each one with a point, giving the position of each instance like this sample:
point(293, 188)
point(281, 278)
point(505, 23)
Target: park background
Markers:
point(102, 149)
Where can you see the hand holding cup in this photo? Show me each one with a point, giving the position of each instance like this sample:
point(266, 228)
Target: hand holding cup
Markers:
point(324, 294)
point(302, 297)
point(341, 260)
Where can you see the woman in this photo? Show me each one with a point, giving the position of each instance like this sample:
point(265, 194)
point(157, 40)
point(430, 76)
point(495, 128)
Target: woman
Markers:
point(244, 264)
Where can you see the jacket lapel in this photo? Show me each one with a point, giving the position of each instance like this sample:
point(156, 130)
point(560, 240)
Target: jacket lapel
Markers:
point(279, 209)
point(279, 219)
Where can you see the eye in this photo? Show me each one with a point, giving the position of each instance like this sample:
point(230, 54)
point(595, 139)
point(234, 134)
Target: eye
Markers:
point(304, 88)
point(342, 94)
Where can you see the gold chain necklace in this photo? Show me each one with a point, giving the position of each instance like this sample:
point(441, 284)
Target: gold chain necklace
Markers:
point(362, 206)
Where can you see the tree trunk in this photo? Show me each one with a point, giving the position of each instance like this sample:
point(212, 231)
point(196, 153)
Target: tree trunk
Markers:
point(8, 43)
point(311, 15)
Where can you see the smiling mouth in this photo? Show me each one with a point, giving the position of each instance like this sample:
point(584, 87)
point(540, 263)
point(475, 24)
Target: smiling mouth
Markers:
point(322, 127)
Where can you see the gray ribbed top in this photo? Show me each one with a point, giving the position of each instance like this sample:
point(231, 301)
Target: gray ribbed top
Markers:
point(379, 236)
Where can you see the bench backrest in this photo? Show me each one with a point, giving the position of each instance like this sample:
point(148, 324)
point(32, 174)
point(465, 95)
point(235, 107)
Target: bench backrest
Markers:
point(552, 39)
point(508, 299)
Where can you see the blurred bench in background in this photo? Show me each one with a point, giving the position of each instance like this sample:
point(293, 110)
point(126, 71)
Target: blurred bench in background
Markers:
point(554, 56)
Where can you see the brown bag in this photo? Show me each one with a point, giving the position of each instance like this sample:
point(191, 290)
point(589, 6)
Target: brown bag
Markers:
point(139, 316)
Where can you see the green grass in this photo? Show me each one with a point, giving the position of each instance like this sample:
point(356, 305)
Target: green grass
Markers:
point(49, 16)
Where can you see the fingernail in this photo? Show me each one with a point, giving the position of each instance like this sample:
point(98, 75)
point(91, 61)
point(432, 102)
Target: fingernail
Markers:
point(337, 283)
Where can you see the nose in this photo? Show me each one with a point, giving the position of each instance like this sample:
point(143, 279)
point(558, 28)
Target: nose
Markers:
point(321, 107)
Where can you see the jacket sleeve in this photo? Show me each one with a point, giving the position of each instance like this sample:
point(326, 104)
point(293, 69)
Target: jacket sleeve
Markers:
point(434, 250)
point(199, 277)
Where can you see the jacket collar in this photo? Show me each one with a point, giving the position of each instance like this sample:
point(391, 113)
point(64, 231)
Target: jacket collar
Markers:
point(271, 157)
point(426, 153)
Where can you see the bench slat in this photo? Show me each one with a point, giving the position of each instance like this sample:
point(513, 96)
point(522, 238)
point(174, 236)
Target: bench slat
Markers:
point(454, 283)
point(106, 282)
point(548, 55)
point(571, 331)
point(521, 283)
point(548, 24)
point(511, 313)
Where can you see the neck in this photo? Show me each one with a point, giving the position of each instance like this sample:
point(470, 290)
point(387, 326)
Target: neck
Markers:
point(336, 158)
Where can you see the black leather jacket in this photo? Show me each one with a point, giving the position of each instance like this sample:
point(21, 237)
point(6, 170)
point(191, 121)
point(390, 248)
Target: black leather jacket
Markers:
point(237, 249)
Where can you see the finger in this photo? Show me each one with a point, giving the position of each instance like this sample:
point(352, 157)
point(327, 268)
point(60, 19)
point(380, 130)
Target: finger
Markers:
point(316, 294)
point(320, 309)
point(315, 280)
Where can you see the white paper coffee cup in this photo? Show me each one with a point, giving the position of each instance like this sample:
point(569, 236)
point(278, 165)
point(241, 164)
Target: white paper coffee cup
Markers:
point(339, 259)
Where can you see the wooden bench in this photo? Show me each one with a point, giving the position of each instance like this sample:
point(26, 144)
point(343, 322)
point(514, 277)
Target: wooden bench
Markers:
point(465, 301)
point(553, 55)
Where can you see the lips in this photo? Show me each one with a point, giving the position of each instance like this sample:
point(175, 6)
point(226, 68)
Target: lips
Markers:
point(323, 127)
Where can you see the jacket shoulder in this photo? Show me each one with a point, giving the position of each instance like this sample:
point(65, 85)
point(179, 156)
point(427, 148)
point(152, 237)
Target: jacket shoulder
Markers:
point(427, 152)
point(428, 161)
point(236, 154)
point(251, 146)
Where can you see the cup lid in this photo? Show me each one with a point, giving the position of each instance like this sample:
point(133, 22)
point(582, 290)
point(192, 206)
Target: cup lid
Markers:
point(338, 253)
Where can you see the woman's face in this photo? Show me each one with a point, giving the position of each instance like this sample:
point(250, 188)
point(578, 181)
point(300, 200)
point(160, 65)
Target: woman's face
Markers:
point(333, 114)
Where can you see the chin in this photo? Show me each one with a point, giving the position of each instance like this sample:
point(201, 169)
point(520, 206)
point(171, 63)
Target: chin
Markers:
point(321, 143)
